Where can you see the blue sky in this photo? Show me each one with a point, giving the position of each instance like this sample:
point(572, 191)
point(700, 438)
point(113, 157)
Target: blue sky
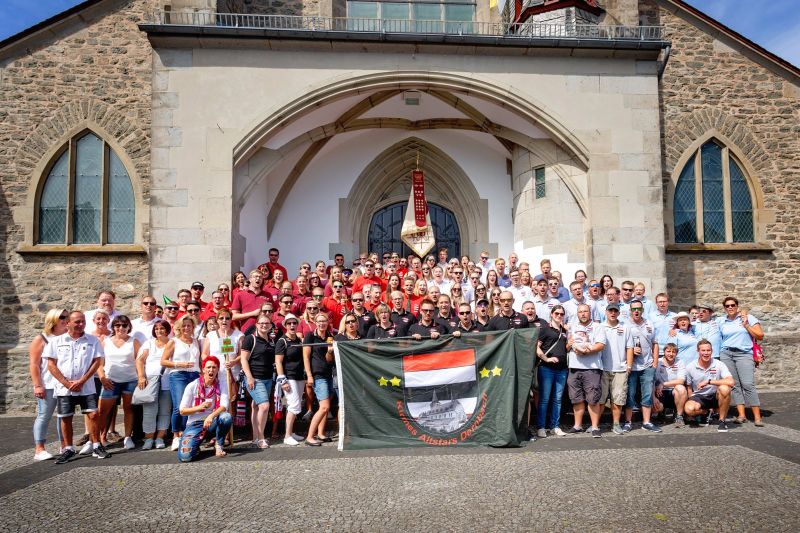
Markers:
point(774, 24)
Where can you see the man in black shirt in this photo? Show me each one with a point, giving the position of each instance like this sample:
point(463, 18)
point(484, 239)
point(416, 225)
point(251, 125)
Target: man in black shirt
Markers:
point(444, 318)
point(465, 322)
point(507, 318)
point(401, 318)
point(365, 318)
point(482, 312)
point(426, 328)
point(529, 310)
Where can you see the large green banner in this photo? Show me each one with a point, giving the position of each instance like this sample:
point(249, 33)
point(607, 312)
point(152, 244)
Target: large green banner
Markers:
point(471, 390)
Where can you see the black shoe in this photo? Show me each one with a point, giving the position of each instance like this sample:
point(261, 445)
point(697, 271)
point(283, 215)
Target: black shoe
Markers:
point(573, 429)
point(313, 443)
point(596, 433)
point(100, 453)
point(324, 439)
point(65, 456)
point(723, 427)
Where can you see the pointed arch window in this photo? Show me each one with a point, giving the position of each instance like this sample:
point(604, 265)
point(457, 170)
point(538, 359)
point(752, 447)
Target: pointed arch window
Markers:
point(713, 202)
point(87, 196)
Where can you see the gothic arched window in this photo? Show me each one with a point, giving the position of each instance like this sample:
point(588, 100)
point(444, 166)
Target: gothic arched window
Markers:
point(87, 196)
point(713, 202)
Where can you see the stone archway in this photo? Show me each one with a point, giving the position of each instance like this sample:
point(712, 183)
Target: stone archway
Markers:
point(386, 180)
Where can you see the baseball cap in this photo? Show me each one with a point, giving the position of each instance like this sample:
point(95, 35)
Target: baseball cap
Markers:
point(612, 307)
point(198, 285)
point(705, 306)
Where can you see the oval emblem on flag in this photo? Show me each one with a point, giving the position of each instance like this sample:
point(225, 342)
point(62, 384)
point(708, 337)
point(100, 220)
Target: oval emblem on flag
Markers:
point(441, 389)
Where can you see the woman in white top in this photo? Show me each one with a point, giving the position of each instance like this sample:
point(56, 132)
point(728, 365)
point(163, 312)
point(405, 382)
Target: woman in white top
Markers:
point(118, 376)
point(204, 404)
point(55, 323)
point(155, 415)
point(224, 343)
point(182, 356)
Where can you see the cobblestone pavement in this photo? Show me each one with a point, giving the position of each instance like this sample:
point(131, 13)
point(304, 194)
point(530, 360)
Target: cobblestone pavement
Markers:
point(683, 479)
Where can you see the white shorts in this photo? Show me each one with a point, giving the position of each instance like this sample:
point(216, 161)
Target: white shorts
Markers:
point(294, 398)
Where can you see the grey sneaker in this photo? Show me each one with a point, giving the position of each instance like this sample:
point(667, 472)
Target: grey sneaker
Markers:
point(617, 430)
point(626, 427)
point(651, 427)
point(100, 453)
point(679, 422)
point(65, 456)
point(596, 433)
point(542, 433)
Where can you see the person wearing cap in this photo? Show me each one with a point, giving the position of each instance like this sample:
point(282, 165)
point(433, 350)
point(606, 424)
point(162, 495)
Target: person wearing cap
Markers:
point(204, 403)
point(684, 338)
point(645, 360)
point(617, 357)
point(482, 312)
point(706, 327)
point(291, 378)
point(197, 290)
point(584, 381)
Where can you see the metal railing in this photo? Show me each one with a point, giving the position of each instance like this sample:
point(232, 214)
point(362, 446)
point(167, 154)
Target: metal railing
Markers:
point(423, 27)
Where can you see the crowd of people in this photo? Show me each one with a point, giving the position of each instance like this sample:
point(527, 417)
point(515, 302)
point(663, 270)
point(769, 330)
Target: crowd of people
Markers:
point(265, 339)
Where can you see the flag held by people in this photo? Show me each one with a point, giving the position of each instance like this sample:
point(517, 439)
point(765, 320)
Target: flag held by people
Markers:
point(417, 230)
point(450, 391)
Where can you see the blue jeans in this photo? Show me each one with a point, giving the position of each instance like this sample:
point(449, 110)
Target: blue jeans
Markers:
point(178, 381)
point(44, 412)
point(643, 380)
point(551, 389)
point(191, 438)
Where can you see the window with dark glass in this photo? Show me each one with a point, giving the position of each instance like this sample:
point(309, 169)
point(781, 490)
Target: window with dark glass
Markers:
point(713, 202)
point(538, 175)
point(87, 196)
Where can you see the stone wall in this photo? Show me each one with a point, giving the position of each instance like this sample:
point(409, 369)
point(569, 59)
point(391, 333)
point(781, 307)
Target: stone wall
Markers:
point(95, 73)
point(708, 85)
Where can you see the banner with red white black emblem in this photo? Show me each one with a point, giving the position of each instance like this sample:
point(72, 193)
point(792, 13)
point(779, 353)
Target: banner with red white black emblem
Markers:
point(417, 230)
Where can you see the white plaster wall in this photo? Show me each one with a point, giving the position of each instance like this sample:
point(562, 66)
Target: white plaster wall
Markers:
point(308, 220)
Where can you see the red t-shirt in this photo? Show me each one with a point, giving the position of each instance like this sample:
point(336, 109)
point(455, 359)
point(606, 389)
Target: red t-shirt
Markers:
point(209, 311)
point(358, 284)
point(247, 301)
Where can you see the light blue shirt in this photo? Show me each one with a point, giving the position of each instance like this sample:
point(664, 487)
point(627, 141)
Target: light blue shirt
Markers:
point(662, 325)
point(734, 335)
point(711, 332)
point(687, 346)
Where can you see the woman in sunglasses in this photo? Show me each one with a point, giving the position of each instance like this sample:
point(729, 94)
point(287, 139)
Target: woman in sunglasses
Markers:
point(739, 329)
point(552, 352)
point(494, 301)
point(289, 368)
point(385, 328)
point(308, 320)
point(55, 324)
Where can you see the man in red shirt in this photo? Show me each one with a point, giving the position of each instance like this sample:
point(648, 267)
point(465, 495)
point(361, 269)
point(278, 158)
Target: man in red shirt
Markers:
point(247, 304)
point(272, 265)
point(217, 304)
point(301, 294)
point(369, 278)
point(338, 303)
point(338, 261)
point(196, 291)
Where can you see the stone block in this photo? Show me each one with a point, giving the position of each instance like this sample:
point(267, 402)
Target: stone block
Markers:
point(167, 137)
point(159, 158)
point(629, 85)
point(162, 178)
point(175, 236)
point(625, 183)
point(626, 141)
point(169, 197)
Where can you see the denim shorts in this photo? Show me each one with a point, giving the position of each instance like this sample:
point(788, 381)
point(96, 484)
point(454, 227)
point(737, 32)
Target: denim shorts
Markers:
point(123, 387)
point(323, 388)
point(261, 390)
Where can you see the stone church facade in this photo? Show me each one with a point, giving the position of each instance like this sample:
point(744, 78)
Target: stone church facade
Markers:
point(149, 143)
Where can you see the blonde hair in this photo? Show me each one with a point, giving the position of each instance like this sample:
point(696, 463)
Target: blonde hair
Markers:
point(51, 320)
point(190, 318)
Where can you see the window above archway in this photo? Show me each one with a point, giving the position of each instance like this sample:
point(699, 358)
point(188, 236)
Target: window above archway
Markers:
point(86, 197)
point(713, 201)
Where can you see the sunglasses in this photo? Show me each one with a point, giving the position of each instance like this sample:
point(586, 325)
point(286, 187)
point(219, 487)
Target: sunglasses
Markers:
point(506, 299)
point(637, 308)
point(426, 310)
point(170, 308)
point(286, 302)
point(464, 313)
point(730, 306)
point(558, 314)
point(351, 321)
point(225, 289)
point(290, 324)
point(318, 296)
point(312, 308)
point(357, 300)
point(63, 317)
point(594, 285)
point(148, 303)
point(192, 311)
point(337, 286)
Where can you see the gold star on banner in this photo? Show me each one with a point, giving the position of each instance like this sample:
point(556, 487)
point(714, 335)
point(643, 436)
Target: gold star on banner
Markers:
point(485, 372)
point(496, 371)
point(395, 381)
point(383, 382)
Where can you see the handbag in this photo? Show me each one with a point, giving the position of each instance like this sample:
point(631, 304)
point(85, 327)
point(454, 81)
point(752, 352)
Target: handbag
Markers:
point(758, 352)
point(149, 393)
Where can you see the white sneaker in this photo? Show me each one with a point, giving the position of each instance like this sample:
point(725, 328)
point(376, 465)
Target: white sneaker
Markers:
point(297, 437)
point(176, 443)
point(160, 444)
point(542, 433)
point(291, 441)
point(148, 444)
point(87, 448)
point(129, 444)
point(557, 432)
point(43, 455)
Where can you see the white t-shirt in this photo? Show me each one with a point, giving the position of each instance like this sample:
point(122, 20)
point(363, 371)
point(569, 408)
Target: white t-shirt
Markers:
point(90, 327)
point(186, 352)
point(587, 335)
point(152, 366)
point(696, 374)
point(73, 358)
point(142, 329)
point(615, 356)
point(188, 400)
point(120, 363)
point(224, 349)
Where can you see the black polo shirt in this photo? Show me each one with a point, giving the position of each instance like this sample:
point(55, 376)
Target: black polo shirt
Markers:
point(403, 322)
point(501, 322)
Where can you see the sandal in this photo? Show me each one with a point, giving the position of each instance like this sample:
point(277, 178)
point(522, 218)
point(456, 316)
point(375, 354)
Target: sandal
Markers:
point(263, 444)
point(324, 439)
point(759, 423)
point(740, 420)
point(220, 452)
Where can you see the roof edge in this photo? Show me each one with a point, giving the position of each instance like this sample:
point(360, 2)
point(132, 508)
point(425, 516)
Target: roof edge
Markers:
point(782, 65)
